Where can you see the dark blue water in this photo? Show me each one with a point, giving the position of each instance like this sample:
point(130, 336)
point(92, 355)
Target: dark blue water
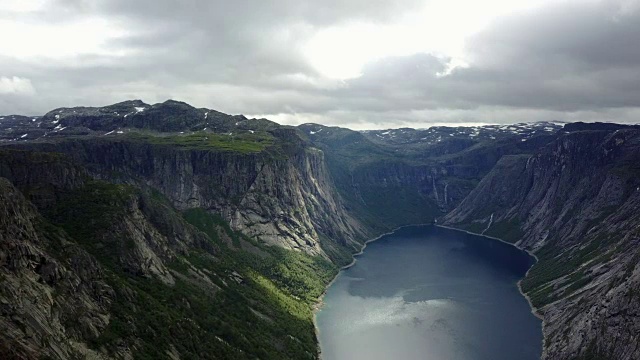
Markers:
point(431, 293)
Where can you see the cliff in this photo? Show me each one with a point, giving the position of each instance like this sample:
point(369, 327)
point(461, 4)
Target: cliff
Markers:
point(575, 204)
point(103, 270)
point(53, 294)
point(279, 193)
point(214, 233)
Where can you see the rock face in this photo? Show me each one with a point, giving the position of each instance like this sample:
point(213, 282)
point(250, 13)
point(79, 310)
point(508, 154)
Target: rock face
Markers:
point(55, 297)
point(105, 270)
point(43, 177)
point(575, 203)
point(50, 304)
point(292, 204)
point(287, 199)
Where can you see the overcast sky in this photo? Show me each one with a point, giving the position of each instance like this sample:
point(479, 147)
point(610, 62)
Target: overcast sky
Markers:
point(358, 63)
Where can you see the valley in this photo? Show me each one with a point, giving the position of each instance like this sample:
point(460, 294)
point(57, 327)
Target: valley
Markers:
point(167, 231)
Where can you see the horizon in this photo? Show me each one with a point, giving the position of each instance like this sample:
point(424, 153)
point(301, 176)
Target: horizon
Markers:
point(431, 125)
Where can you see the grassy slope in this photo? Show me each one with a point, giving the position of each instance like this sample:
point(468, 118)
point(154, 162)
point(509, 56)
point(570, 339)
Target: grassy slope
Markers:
point(242, 142)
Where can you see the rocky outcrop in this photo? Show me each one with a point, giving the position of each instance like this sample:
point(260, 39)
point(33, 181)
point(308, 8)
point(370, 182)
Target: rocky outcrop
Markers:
point(283, 197)
point(575, 203)
point(42, 177)
point(290, 204)
point(53, 295)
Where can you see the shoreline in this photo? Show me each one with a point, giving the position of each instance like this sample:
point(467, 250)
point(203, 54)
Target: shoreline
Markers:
point(534, 311)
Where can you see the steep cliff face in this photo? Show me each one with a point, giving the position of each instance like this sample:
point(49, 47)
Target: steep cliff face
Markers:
point(282, 195)
point(42, 177)
point(53, 294)
point(294, 205)
point(115, 271)
point(426, 190)
point(575, 204)
point(216, 234)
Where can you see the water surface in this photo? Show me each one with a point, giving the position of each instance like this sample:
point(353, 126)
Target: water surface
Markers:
point(430, 293)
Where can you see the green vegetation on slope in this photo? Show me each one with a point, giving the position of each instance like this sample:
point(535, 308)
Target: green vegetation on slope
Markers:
point(88, 212)
point(554, 263)
point(241, 142)
point(299, 275)
point(507, 230)
point(245, 301)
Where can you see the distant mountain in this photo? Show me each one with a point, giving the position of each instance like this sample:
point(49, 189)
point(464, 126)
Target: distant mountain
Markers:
point(435, 134)
point(169, 116)
point(597, 126)
point(20, 128)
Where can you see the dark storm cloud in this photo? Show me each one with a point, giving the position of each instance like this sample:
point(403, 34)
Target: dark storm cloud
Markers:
point(573, 60)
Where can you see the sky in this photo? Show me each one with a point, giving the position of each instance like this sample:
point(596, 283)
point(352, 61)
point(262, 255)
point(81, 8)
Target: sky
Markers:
point(363, 64)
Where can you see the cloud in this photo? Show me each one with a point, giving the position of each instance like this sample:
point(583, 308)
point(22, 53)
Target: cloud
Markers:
point(16, 86)
point(570, 60)
point(571, 56)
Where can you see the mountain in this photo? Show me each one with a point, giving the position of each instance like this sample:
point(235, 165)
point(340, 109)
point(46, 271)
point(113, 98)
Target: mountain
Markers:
point(146, 243)
point(96, 269)
point(168, 231)
point(169, 116)
point(20, 128)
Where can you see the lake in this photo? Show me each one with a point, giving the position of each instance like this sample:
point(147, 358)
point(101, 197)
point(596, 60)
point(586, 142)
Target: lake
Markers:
point(430, 293)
